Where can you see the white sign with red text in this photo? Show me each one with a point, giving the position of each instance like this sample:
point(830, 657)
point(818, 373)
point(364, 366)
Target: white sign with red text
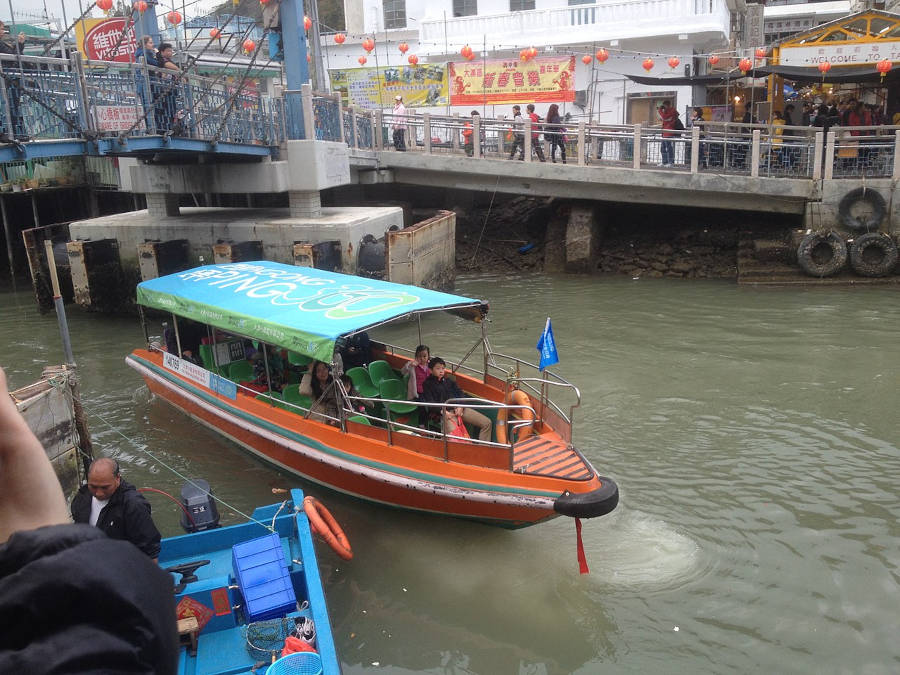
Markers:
point(118, 117)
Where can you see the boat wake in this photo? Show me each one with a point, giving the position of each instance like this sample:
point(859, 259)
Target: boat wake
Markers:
point(635, 549)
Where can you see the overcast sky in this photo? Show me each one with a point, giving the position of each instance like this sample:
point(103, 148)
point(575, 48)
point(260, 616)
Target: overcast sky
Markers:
point(54, 8)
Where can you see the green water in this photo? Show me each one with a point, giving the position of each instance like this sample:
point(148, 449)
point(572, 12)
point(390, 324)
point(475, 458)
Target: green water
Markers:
point(753, 434)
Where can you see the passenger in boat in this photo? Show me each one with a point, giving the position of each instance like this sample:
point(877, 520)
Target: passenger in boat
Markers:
point(438, 388)
point(72, 600)
point(275, 380)
point(115, 506)
point(350, 390)
point(318, 384)
point(357, 351)
point(418, 372)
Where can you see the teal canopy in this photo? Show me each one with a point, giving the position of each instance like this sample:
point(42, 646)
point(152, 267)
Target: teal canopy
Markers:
point(299, 308)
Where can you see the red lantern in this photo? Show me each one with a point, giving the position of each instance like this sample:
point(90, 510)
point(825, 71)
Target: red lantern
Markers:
point(760, 52)
point(713, 59)
point(264, 2)
point(745, 65)
point(339, 38)
point(413, 60)
point(647, 64)
point(308, 58)
point(586, 59)
point(173, 18)
point(362, 60)
point(673, 62)
point(602, 55)
point(105, 5)
point(403, 47)
point(523, 55)
point(140, 6)
point(307, 23)
point(214, 33)
point(824, 67)
point(467, 53)
point(249, 46)
point(368, 44)
point(532, 52)
point(884, 67)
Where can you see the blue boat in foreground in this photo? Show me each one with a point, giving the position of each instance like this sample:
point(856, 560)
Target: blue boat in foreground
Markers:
point(241, 591)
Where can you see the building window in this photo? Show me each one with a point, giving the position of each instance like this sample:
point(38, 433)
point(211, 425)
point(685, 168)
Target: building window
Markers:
point(465, 7)
point(394, 14)
point(519, 5)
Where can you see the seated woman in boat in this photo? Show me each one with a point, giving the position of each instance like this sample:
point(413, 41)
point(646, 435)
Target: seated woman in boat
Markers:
point(356, 351)
point(418, 371)
point(318, 384)
point(439, 388)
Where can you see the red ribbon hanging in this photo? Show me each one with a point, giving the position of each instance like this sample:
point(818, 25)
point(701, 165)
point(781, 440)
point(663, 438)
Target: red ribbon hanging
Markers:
point(582, 560)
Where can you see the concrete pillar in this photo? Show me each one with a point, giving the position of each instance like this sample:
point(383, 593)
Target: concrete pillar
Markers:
point(305, 203)
point(582, 238)
point(160, 205)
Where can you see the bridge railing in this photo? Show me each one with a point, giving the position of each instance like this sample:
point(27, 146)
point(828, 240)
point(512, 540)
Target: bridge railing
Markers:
point(43, 98)
point(753, 150)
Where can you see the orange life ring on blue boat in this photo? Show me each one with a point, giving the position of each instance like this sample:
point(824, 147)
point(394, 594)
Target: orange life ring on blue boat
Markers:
point(324, 525)
point(515, 397)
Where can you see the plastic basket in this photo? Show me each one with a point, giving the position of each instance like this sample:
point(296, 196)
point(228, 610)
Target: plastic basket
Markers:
point(299, 663)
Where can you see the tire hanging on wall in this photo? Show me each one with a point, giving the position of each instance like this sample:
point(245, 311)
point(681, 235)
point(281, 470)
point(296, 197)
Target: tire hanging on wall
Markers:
point(822, 254)
point(873, 254)
point(857, 223)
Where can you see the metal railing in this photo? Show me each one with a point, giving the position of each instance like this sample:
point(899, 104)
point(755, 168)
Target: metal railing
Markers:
point(756, 150)
point(44, 98)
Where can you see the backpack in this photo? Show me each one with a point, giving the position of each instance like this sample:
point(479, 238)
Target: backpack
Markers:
point(678, 124)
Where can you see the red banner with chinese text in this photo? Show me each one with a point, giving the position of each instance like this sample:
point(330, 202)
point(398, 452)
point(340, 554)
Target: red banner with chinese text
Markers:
point(540, 80)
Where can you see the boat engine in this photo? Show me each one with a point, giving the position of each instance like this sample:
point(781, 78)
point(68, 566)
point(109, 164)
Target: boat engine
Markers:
point(199, 503)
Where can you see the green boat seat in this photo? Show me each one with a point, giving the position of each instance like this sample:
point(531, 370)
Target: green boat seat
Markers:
point(240, 371)
point(394, 389)
point(359, 419)
point(379, 371)
point(206, 355)
point(293, 396)
point(363, 383)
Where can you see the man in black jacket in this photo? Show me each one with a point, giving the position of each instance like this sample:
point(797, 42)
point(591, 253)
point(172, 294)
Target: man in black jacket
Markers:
point(116, 507)
point(438, 388)
point(71, 599)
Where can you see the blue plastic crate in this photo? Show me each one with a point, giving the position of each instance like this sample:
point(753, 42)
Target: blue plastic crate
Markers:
point(263, 577)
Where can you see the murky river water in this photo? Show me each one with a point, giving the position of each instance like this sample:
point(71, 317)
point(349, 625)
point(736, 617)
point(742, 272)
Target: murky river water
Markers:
point(754, 435)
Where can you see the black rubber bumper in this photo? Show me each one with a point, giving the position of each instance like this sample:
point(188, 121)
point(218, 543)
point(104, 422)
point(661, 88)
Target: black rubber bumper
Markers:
point(589, 504)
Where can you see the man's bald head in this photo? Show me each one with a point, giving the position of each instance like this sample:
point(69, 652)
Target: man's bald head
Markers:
point(103, 478)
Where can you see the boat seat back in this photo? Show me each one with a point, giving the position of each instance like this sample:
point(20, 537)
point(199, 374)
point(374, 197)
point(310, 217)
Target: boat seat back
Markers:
point(240, 370)
point(362, 382)
point(206, 355)
point(359, 419)
point(293, 395)
point(379, 371)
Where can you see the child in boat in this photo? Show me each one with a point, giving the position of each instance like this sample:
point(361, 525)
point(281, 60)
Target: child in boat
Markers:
point(418, 372)
point(438, 388)
point(347, 383)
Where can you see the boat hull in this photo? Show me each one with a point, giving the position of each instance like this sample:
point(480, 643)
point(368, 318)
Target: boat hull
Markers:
point(360, 466)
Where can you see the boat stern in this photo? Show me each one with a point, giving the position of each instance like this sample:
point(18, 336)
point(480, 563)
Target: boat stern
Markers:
point(597, 502)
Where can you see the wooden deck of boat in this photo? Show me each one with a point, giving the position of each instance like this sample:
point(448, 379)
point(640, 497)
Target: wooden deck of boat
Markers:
point(544, 456)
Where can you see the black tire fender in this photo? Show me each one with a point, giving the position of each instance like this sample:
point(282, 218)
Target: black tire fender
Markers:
point(873, 254)
point(867, 224)
point(822, 254)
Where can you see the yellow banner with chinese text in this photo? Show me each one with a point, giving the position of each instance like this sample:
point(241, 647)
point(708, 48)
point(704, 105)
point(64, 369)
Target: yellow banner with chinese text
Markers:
point(539, 80)
point(423, 85)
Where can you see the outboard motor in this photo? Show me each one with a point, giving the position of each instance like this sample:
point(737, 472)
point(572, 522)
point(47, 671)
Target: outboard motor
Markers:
point(198, 501)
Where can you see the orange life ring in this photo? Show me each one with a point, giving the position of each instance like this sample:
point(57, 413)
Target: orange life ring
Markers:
point(324, 524)
point(515, 397)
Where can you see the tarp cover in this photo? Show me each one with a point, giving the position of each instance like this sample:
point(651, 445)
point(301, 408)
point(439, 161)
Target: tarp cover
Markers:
point(300, 308)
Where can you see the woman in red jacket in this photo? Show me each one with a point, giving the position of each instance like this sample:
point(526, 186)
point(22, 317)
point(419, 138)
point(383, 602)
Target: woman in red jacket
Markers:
point(668, 115)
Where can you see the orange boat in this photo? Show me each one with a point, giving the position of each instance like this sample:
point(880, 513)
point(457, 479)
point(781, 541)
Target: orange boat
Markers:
point(382, 454)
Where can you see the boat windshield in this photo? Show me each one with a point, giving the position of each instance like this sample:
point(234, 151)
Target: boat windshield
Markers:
point(301, 309)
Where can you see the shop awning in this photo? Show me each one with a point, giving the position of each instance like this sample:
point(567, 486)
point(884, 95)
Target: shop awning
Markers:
point(863, 74)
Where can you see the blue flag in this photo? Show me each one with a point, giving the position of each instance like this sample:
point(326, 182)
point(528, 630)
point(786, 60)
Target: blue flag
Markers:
point(547, 347)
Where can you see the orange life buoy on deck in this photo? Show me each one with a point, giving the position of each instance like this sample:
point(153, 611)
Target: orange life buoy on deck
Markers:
point(515, 397)
point(324, 524)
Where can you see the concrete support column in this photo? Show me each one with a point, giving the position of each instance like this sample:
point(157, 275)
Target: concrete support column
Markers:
point(426, 132)
point(160, 205)
point(528, 140)
point(636, 151)
point(378, 135)
point(476, 136)
point(754, 154)
point(896, 173)
point(818, 149)
point(829, 155)
point(305, 203)
point(583, 234)
point(695, 149)
point(581, 150)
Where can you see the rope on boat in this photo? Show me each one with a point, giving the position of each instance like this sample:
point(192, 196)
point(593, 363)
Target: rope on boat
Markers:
point(183, 477)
